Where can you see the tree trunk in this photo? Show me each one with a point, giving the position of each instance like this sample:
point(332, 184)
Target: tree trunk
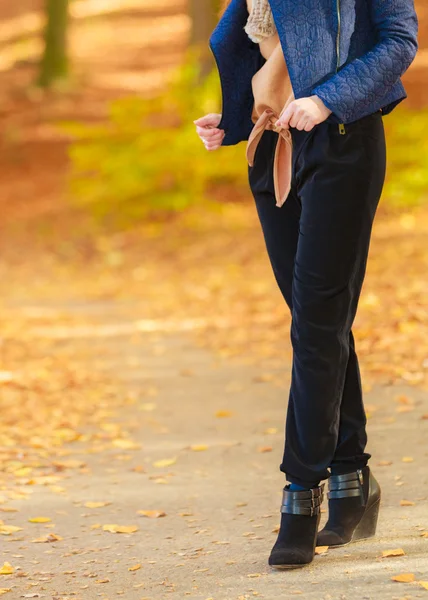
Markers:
point(204, 14)
point(54, 64)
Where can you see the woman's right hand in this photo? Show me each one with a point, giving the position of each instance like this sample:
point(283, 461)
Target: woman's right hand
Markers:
point(206, 128)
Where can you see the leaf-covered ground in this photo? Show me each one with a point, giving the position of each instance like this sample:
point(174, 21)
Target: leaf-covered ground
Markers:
point(144, 380)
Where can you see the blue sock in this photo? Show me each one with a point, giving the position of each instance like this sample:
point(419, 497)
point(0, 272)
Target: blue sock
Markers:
point(298, 488)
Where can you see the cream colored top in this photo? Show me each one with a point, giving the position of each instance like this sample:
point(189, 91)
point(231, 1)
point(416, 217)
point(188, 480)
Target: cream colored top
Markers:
point(272, 93)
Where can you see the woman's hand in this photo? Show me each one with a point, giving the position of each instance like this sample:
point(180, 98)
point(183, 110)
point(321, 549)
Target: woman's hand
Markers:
point(304, 114)
point(206, 128)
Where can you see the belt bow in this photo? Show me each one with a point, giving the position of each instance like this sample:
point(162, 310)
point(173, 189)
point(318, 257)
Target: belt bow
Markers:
point(283, 153)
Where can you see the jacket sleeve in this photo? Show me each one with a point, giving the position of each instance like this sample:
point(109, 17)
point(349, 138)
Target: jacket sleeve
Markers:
point(367, 80)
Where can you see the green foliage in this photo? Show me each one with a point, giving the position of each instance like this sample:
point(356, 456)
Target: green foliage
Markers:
point(407, 182)
point(148, 157)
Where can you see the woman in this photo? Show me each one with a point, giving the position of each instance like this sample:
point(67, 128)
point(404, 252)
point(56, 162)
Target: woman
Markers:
point(316, 170)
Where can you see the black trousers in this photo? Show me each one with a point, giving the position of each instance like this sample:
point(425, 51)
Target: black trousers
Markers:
point(318, 243)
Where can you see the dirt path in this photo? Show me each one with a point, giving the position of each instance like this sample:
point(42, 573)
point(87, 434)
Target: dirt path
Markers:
point(216, 426)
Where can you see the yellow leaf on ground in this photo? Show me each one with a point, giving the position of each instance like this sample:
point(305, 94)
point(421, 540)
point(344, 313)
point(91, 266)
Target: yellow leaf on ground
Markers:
point(404, 578)
point(424, 584)
point(396, 552)
point(321, 549)
point(406, 503)
point(152, 514)
point(5, 591)
point(8, 509)
point(126, 444)
point(40, 520)
point(221, 414)
point(254, 575)
point(270, 431)
point(198, 447)
point(384, 463)
point(134, 568)
point(96, 504)
point(46, 539)
point(23, 471)
point(120, 528)
point(263, 449)
point(7, 569)
point(165, 462)
point(8, 529)
point(407, 459)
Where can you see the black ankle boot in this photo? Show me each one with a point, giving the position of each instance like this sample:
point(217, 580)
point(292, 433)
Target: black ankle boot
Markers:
point(295, 546)
point(353, 505)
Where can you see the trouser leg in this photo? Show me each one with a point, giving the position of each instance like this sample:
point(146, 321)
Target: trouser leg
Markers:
point(339, 181)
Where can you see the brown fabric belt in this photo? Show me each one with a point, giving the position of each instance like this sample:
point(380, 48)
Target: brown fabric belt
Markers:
point(283, 152)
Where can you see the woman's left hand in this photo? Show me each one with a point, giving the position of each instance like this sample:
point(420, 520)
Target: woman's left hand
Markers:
point(304, 114)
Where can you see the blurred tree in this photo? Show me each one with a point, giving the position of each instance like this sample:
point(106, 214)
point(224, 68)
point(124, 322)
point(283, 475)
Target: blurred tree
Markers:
point(54, 64)
point(204, 14)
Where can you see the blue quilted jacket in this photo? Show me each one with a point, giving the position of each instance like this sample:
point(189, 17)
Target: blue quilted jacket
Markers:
point(350, 53)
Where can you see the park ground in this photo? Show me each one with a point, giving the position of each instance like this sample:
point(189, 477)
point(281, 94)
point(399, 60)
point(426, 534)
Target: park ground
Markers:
point(144, 374)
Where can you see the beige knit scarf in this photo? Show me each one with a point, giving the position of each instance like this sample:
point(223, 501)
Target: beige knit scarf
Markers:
point(260, 23)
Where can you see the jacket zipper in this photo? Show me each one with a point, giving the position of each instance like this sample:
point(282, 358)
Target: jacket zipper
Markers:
point(342, 129)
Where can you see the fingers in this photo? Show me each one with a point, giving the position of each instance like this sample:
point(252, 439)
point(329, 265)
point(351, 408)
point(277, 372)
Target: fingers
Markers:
point(284, 120)
point(304, 114)
point(207, 133)
point(211, 120)
point(214, 142)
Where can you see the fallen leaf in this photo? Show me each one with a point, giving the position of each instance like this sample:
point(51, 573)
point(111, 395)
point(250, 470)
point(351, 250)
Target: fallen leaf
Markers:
point(396, 552)
point(7, 569)
point(424, 534)
point(138, 469)
point(120, 528)
point(8, 529)
point(198, 447)
point(270, 431)
point(152, 514)
point(423, 584)
point(134, 568)
point(384, 463)
point(404, 400)
point(254, 575)
point(126, 444)
point(404, 578)
point(407, 459)
point(263, 449)
point(102, 580)
point(321, 549)
point(165, 462)
point(221, 414)
point(96, 504)
point(5, 591)
point(406, 503)
point(46, 539)
point(8, 509)
point(40, 520)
